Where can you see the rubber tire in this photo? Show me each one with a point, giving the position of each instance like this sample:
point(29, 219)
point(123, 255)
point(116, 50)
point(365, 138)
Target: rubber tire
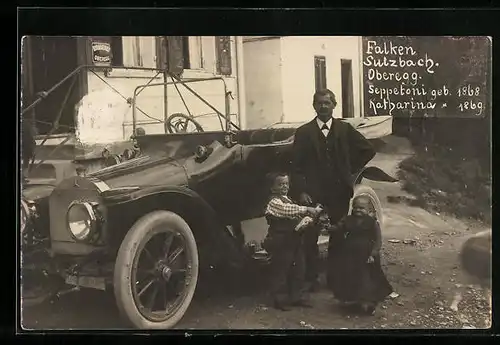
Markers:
point(122, 273)
point(361, 189)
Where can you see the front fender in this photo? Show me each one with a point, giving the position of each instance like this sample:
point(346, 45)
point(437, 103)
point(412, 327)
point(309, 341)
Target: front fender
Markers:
point(124, 195)
point(208, 230)
point(373, 173)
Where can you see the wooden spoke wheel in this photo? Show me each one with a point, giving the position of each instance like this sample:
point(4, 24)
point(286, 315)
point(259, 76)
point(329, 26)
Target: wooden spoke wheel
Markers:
point(156, 271)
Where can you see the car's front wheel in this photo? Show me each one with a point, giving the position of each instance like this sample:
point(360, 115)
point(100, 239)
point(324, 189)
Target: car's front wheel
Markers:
point(156, 271)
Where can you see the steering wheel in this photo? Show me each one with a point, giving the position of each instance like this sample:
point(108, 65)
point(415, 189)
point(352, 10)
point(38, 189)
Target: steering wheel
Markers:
point(179, 123)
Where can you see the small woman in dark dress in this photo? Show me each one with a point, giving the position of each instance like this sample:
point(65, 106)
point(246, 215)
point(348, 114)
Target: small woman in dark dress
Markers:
point(355, 275)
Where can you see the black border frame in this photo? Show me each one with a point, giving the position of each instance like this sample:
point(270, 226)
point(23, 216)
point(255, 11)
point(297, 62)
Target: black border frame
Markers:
point(367, 21)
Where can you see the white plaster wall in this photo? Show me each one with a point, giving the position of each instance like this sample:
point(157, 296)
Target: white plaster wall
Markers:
point(263, 82)
point(103, 113)
point(124, 82)
point(298, 72)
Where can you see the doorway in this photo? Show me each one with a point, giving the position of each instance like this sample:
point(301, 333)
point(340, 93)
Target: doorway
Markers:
point(347, 89)
point(45, 62)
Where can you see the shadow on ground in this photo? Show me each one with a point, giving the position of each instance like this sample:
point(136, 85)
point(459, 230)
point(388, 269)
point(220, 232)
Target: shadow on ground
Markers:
point(92, 309)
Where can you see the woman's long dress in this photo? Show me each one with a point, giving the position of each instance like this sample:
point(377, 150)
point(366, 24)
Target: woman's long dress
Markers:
point(350, 277)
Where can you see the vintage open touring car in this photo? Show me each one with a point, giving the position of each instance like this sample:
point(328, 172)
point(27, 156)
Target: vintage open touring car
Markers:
point(148, 224)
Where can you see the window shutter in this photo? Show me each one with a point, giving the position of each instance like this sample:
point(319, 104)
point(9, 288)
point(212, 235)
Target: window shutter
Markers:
point(161, 52)
point(116, 50)
point(175, 56)
point(320, 72)
point(223, 48)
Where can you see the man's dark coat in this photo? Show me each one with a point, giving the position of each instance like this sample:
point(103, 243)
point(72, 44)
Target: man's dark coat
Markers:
point(324, 167)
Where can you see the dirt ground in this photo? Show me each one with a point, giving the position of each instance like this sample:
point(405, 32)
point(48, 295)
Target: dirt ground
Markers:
point(419, 255)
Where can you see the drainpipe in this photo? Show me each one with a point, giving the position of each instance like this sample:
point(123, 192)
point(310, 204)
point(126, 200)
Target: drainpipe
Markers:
point(240, 83)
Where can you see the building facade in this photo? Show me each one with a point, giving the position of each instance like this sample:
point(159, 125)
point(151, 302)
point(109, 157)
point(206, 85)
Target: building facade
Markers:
point(98, 105)
point(283, 72)
point(271, 79)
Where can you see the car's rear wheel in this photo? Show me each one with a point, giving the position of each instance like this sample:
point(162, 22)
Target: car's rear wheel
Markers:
point(370, 193)
point(156, 271)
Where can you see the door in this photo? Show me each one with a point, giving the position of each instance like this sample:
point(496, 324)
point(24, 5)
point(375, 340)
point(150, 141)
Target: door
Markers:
point(347, 89)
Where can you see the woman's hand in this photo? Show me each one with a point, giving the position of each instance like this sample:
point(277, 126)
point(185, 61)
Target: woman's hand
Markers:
point(318, 209)
point(370, 260)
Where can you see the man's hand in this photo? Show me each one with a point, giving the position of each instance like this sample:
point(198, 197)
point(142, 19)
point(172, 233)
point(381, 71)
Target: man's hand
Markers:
point(305, 199)
point(311, 211)
point(370, 260)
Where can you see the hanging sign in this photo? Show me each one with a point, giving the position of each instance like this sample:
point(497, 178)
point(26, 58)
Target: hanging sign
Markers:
point(101, 53)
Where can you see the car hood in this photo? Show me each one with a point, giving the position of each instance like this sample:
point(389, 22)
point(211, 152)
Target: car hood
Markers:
point(144, 171)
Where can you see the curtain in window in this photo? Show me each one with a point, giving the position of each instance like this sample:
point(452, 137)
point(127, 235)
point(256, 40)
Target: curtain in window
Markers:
point(131, 52)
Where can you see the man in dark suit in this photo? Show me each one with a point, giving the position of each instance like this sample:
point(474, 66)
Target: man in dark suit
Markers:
point(326, 154)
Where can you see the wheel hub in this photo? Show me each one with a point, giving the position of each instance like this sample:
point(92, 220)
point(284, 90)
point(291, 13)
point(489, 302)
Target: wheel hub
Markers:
point(164, 271)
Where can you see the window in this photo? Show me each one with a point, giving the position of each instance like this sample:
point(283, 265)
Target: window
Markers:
point(208, 53)
point(179, 52)
point(320, 72)
point(195, 52)
point(138, 51)
point(192, 52)
point(131, 51)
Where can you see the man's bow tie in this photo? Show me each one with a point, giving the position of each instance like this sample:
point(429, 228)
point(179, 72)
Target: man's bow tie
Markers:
point(325, 127)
